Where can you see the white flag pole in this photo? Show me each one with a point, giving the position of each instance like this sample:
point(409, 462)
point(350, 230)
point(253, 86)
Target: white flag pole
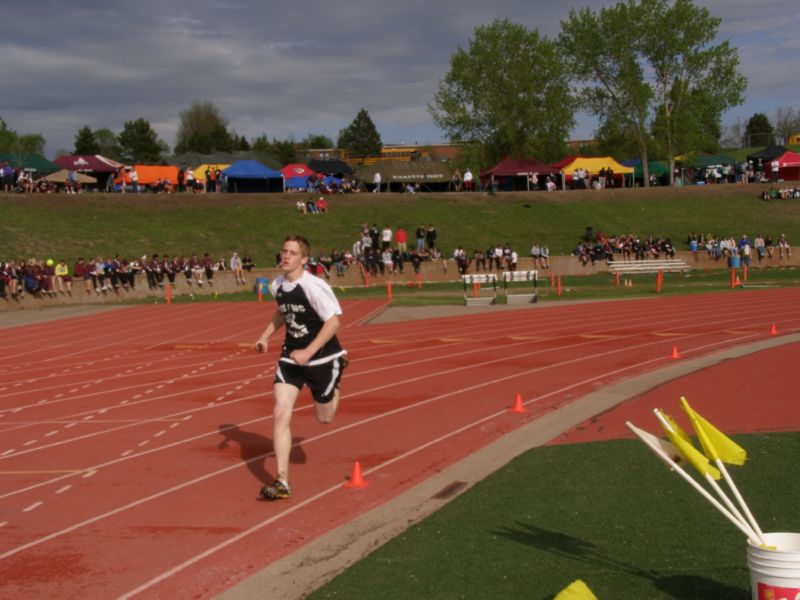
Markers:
point(656, 449)
point(714, 485)
point(751, 519)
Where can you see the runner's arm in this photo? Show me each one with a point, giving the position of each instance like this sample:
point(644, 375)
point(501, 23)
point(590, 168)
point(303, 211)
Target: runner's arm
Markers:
point(275, 324)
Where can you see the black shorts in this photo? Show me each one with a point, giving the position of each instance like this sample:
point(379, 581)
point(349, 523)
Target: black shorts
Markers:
point(322, 379)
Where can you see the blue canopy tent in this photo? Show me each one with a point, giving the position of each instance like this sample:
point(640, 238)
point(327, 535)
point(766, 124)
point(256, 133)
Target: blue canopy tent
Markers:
point(300, 182)
point(250, 176)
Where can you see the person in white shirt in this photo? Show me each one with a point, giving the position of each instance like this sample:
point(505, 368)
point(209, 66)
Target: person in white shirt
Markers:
point(376, 179)
point(468, 180)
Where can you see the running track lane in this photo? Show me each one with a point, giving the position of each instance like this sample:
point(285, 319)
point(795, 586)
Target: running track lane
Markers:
point(134, 443)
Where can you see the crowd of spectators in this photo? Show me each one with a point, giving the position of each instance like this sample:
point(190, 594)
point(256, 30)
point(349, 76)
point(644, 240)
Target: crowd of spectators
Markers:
point(626, 247)
point(104, 274)
point(781, 193)
point(721, 247)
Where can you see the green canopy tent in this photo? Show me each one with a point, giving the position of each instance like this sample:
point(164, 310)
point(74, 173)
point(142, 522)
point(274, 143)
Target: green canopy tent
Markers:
point(431, 175)
point(36, 163)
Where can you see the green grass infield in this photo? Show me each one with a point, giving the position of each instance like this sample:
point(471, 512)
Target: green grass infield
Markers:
point(609, 513)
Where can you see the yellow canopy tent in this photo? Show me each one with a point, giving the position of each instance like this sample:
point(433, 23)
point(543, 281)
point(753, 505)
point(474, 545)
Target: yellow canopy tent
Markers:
point(200, 172)
point(592, 165)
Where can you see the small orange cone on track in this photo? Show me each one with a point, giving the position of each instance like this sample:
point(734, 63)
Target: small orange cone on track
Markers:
point(356, 480)
point(518, 406)
point(773, 330)
point(737, 282)
point(674, 354)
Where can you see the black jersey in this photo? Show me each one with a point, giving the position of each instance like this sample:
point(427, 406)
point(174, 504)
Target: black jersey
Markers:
point(305, 305)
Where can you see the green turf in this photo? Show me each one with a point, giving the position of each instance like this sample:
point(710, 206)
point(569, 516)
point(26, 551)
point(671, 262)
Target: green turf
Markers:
point(98, 224)
point(608, 513)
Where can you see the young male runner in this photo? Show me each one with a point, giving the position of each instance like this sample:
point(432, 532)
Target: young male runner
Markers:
point(311, 353)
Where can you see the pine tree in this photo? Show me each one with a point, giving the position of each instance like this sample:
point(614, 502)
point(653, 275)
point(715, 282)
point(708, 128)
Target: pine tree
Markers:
point(360, 138)
point(85, 142)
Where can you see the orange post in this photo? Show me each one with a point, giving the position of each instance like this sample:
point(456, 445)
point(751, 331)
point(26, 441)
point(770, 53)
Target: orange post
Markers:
point(366, 278)
point(552, 279)
point(389, 290)
point(617, 278)
point(260, 292)
point(559, 285)
point(419, 281)
point(169, 294)
point(733, 278)
point(744, 272)
point(659, 281)
point(475, 287)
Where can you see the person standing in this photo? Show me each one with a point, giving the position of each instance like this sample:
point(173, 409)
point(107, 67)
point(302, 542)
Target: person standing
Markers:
point(134, 180)
point(468, 180)
point(376, 179)
point(311, 353)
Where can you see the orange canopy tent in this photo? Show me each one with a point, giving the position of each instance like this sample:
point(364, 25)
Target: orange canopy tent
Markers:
point(149, 174)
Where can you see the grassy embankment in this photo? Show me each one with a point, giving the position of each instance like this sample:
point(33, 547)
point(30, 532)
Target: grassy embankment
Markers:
point(98, 224)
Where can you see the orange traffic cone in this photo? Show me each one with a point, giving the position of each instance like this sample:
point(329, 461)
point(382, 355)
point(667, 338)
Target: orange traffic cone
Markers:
point(738, 282)
point(518, 407)
point(773, 330)
point(356, 480)
point(674, 354)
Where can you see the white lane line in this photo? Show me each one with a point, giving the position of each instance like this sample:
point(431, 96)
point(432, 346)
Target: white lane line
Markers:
point(137, 396)
point(160, 433)
point(102, 411)
point(63, 489)
point(88, 417)
point(187, 417)
point(126, 453)
point(33, 506)
point(68, 425)
point(144, 443)
point(174, 425)
point(88, 474)
point(3, 523)
point(29, 442)
point(51, 433)
point(7, 452)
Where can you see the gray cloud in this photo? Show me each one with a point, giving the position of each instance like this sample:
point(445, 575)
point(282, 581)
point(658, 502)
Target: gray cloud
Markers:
point(290, 69)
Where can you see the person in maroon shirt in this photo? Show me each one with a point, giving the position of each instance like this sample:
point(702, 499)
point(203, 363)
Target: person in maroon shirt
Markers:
point(155, 278)
point(196, 267)
point(208, 267)
point(168, 269)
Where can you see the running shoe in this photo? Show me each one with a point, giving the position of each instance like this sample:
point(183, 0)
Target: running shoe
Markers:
point(279, 490)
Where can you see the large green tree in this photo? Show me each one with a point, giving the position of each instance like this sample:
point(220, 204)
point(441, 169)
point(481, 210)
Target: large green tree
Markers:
point(361, 137)
point(139, 143)
point(28, 143)
point(108, 143)
point(316, 140)
point(759, 131)
point(508, 91)
point(85, 142)
point(693, 75)
point(653, 67)
point(204, 129)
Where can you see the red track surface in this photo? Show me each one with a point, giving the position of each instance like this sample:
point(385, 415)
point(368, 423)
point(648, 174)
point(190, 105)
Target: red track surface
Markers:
point(134, 442)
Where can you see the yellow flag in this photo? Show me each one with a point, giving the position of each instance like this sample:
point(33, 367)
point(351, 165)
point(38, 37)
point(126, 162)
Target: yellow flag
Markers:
point(577, 590)
point(715, 443)
point(692, 454)
point(678, 429)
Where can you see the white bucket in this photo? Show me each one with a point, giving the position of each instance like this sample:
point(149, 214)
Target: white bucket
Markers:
point(775, 574)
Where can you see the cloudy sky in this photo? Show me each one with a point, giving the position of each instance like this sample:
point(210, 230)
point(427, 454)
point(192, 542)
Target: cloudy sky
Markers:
point(289, 69)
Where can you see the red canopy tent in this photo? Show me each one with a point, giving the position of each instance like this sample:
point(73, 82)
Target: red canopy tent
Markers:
point(83, 163)
point(512, 173)
point(296, 170)
point(789, 166)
